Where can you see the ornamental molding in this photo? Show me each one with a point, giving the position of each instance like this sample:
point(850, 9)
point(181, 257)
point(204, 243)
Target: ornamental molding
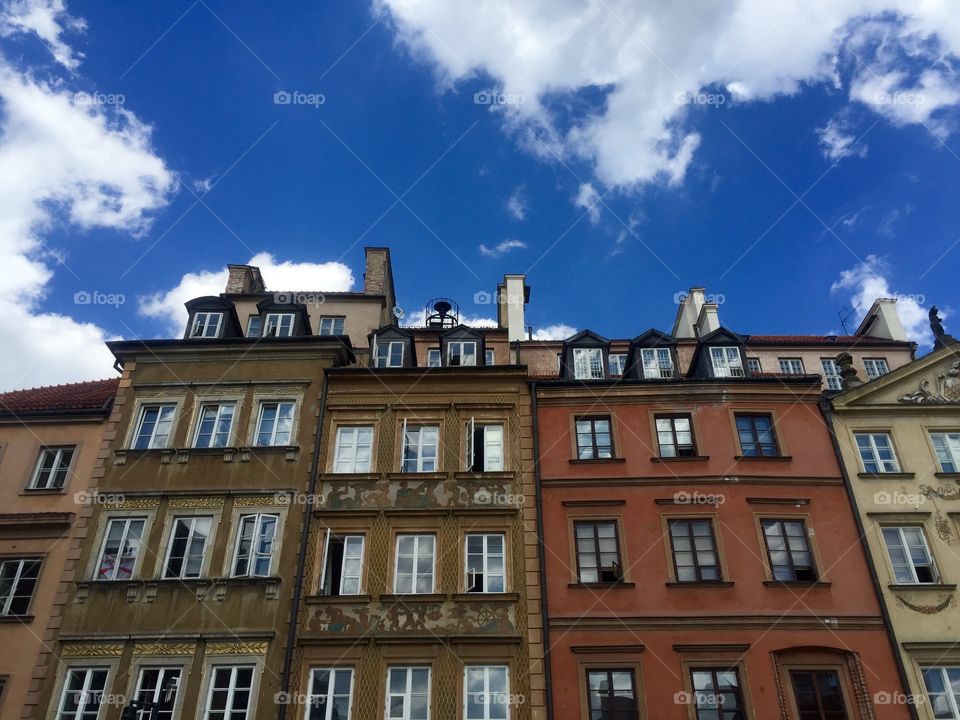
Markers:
point(157, 649)
point(191, 503)
point(237, 648)
point(147, 503)
point(926, 609)
point(91, 650)
point(278, 498)
point(947, 389)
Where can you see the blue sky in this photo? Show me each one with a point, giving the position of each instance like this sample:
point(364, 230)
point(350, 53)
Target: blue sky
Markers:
point(792, 181)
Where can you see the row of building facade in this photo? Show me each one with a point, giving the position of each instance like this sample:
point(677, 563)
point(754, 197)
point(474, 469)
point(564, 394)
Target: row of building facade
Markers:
point(303, 509)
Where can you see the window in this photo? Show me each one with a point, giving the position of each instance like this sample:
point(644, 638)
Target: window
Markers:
point(611, 695)
point(255, 537)
point(82, 693)
point(943, 687)
point(716, 694)
point(188, 542)
point(756, 435)
point(876, 453)
point(947, 447)
point(420, 448)
point(754, 366)
point(909, 555)
point(206, 325)
point(214, 424)
point(485, 568)
point(831, 372)
point(875, 367)
point(433, 357)
point(153, 427)
point(616, 364)
point(229, 695)
point(675, 436)
point(18, 578)
point(791, 366)
point(485, 689)
point(278, 325)
point(414, 570)
point(121, 547)
point(408, 693)
point(461, 353)
point(52, 467)
point(253, 326)
point(275, 424)
point(588, 363)
point(488, 357)
point(593, 438)
point(342, 565)
point(353, 449)
point(657, 363)
point(330, 693)
point(598, 552)
point(331, 326)
point(788, 550)
point(819, 694)
point(484, 447)
point(389, 354)
point(158, 685)
point(694, 551)
point(726, 362)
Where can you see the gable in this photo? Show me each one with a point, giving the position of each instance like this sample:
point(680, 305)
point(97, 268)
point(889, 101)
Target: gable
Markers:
point(932, 380)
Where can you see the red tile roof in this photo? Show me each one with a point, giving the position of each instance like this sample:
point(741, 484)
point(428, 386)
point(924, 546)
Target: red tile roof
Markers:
point(91, 395)
point(820, 340)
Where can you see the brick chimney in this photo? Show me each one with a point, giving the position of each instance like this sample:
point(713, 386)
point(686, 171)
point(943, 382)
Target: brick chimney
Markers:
point(244, 280)
point(882, 321)
point(512, 295)
point(378, 275)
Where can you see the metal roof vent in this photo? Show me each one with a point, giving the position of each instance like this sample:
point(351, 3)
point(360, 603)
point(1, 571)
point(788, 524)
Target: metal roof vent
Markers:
point(442, 313)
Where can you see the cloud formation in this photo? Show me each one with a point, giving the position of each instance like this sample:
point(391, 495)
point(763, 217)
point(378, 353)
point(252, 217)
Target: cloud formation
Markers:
point(501, 248)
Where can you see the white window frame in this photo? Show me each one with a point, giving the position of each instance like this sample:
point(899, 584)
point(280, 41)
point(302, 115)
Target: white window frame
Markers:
point(416, 574)
point(191, 520)
point(875, 367)
point(489, 357)
point(388, 356)
point(253, 319)
point(751, 361)
point(345, 449)
point(408, 692)
point(220, 406)
point(421, 461)
point(21, 563)
point(487, 693)
point(493, 440)
point(461, 347)
point(831, 373)
point(85, 690)
point(653, 363)
point(58, 466)
point(229, 713)
point(327, 695)
point(949, 450)
point(434, 358)
point(127, 520)
point(485, 556)
point(791, 366)
point(284, 322)
point(588, 363)
point(726, 361)
point(618, 359)
point(328, 323)
point(349, 539)
point(205, 321)
point(152, 443)
point(912, 566)
point(255, 540)
point(875, 452)
point(155, 693)
point(953, 699)
point(273, 433)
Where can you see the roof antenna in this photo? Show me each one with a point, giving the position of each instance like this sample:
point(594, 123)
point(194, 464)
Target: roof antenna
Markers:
point(845, 314)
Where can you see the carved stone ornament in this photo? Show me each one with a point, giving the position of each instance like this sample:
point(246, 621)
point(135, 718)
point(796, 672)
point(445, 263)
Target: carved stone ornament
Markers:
point(947, 389)
point(88, 650)
point(163, 649)
point(237, 648)
point(446, 618)
point(925, 609)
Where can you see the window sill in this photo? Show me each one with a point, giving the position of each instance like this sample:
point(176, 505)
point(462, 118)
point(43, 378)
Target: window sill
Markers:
point(700, 584)
point(482, 474)
point(683, 458)
point(432, 475)
point(486, 597)
point(182, 455)
point(597, 461)
point(43, 491)
point(953, 475)
point(336, 599)
point(20, 619)
point(890, 475)
point(940, 587)
point(798, 583)
point(412, 597)
point(769, 458)
point(602, 585)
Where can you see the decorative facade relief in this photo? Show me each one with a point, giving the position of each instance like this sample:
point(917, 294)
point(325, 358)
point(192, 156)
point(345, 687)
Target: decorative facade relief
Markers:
point(379, 494)
point(440, 618)
point(947, 389)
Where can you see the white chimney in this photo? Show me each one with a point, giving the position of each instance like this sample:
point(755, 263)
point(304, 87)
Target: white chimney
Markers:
point(708, 320)
point(512, 295)
point(688, 313)
point(882, 321)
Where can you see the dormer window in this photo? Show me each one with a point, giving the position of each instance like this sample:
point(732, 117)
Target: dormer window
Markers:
point(617, 364)
point(253, 326)
point(206, 325)
point(657, 363)
point(461, 353)
point(588, 363)
point(433, 357)
point(278, 325)
point(389, 354)
point(726, 362)
point(331, 325)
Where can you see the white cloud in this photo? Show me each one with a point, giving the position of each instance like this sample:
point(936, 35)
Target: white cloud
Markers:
point(418, 318)
point(588, 199)
point(517, 203)
point(501, 248)
point(649, 61)
point(868, 280)
point(836, 143)
point(167, 305)
point(63, 163)
point(554, 332)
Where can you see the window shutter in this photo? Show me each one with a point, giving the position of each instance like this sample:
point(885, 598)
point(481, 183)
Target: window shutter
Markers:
point(471, 428)
point(323, 562)
point(403, 442)
point(493, 447)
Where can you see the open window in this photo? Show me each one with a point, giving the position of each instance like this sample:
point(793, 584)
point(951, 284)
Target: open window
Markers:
point(484, 446)
point(342, 564)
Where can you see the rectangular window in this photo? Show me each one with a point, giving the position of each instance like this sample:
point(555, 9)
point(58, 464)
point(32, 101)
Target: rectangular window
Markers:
point(594, 441)
point(695, 556)
point(52, 468)
point(726, 362)
point(414, 566)
point(675, 436)
point(616, 364)
point(389, 354)
point(229, 695)
point(275, 423)
point(657, 363)
point(612, 695)
point(342, 565)
point(791, 366)
point(488, 357)
point(754, 366)
point(256, 534)
point(819, 694)
point(909, 555)
point(420, 448)
point(82, 693)
point(188, 543)
point(253, 326)
point(716, 694)
point(876, 453)
point(875, 367)
point(121, 547)
point(353, 449)
point(214, 425)
point(158, 686)
point(18, 578)
point(831, 372)
point(206, 325)
point(461, 353)
point(588, 363)
point(331, 326)
point(484, 447)
point(947, 447)
point(330, 694)
point(943, 689)
point(153, 426)
point(485, 568)
point(485, 689)
point(408, 693)
point(278, 325)
point(433, 357)
point(757, 438)
point(598, 552)
point(788, 550)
